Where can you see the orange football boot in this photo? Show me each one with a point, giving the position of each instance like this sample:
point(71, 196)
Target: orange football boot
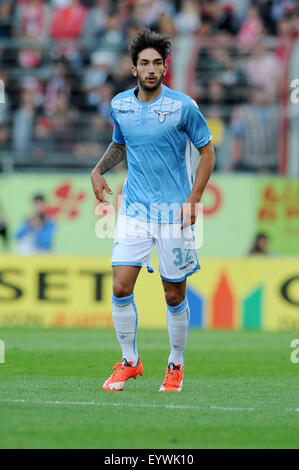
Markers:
point(123, 372)
point(173, 379)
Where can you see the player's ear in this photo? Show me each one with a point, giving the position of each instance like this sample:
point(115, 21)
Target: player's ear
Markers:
point(134, 70)
point(165, 69)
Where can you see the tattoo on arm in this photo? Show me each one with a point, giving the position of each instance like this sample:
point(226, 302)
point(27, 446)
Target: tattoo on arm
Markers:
point(113, 155)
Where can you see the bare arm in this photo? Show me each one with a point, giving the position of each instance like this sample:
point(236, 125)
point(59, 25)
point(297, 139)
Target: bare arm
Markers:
point(113, 155)
point(203, 172)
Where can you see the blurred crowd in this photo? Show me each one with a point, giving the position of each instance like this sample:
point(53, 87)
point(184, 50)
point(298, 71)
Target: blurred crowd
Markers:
point(62, 61)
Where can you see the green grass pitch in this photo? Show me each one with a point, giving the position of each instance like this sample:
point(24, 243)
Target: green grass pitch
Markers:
point(240, 391)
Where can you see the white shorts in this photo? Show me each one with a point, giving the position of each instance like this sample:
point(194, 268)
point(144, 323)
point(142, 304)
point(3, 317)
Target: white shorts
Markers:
point(134, 241)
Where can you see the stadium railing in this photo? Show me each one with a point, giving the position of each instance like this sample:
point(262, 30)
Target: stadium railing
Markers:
point(225, 61)
point(212, 72)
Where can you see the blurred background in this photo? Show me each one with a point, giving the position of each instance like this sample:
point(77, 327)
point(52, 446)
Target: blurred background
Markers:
point(61, 62)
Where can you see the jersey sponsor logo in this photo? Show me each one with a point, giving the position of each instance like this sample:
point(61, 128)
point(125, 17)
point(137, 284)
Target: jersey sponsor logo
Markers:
point(126, 111)
point(186, 265)
point(162, 115)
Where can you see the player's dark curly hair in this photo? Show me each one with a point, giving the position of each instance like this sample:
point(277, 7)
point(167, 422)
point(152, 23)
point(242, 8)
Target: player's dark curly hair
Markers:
point(146, 38)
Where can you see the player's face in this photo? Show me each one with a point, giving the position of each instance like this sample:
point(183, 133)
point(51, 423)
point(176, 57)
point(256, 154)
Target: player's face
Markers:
point(149, 70)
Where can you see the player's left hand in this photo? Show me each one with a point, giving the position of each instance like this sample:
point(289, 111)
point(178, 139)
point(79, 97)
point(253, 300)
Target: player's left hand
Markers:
point(188, 213)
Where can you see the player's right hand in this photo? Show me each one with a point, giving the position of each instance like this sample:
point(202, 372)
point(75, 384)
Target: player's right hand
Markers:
point(99, 184)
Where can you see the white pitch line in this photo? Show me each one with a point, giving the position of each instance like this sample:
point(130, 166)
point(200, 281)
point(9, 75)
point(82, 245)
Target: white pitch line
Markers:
point(137, 405)
point(228, 408)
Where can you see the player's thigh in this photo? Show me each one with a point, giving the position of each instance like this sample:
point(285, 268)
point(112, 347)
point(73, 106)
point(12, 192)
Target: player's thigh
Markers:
point(133, 244)
point(124, 279)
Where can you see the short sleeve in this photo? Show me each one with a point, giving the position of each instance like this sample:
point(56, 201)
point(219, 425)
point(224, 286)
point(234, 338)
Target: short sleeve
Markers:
point(195, 125)
point(117, 136)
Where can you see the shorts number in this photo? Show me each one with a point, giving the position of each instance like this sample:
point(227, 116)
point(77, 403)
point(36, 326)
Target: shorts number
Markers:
point(179, 256)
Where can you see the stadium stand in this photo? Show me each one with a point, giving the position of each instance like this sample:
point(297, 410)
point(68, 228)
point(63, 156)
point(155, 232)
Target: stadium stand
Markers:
point(61, 62)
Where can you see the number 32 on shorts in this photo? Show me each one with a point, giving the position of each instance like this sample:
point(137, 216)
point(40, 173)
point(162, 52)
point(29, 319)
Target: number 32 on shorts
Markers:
point(179, 256)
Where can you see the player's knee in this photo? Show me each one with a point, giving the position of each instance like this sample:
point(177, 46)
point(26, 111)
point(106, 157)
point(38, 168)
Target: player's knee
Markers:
point(122, 289)
point(173, 297)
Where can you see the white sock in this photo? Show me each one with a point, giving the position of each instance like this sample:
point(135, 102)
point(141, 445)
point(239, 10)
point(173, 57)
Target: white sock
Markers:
point(178, 319)
point(125, 319)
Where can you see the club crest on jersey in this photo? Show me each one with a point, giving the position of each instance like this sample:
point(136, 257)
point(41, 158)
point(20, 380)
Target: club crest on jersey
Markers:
point(162, 115)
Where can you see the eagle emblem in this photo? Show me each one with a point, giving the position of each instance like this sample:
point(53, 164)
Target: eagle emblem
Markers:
point(162, 115)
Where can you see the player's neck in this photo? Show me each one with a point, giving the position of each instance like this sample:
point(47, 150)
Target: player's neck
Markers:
point(146, 96)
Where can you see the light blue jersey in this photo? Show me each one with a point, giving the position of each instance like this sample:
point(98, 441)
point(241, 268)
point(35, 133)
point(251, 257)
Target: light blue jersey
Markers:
point(157, 136)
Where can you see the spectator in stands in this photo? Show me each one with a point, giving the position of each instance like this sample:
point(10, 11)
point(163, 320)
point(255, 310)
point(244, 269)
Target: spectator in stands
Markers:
point(4, 99)
point(31, 21)
point(239, 8)
point(5, 137)
point(113, 35)
point(122, 77)
point(264, 70)
point(36, 234)
point(280, 8)
point(165, 25)
point(94, 138)
point(5, 113)
point(99, 24)
point(131, 28)
point(96, 75)
point(252, 28)
point(7, 57)
point(230, 73)
point(23, 121)
point(59, 82)
point(255, 132)
point(105, 93)
point(222, 17)
point(60, 3)
point(284, 40)
point(188, 19)
point(64, 124)
point(3, 229)
point(96, 23)
point(67, 24)
point(260, 245)
point(295, 24)
point(265, 10)
point(213, 106)
point(219, 63)
point(6, 15)
point(148, 12)
point(43, 138)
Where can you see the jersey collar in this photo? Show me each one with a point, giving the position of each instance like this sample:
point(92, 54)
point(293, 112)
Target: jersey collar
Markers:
point(148, 102)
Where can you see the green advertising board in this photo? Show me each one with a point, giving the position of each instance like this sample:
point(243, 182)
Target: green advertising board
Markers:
point(229, 206)
point(236, 207)
point(71, 203)
point(278, 213)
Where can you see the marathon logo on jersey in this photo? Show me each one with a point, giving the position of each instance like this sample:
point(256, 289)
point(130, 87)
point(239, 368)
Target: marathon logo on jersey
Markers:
point(162, 115)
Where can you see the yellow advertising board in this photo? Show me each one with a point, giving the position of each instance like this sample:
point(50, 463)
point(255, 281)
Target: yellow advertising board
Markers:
point(69, 291)
point(250, 293)
point(54, 291)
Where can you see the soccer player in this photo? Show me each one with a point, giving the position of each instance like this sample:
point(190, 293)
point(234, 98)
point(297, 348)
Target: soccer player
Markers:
point(153, 126)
